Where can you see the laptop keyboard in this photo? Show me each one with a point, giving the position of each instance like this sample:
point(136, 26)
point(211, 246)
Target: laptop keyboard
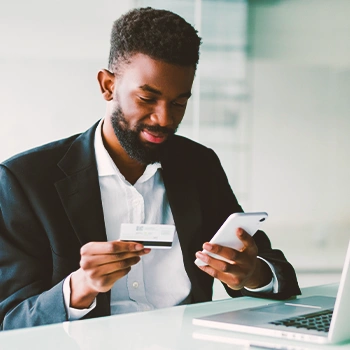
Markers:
point(318, 321)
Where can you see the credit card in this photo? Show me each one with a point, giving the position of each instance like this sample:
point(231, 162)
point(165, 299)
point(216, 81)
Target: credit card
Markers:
point(151, 236)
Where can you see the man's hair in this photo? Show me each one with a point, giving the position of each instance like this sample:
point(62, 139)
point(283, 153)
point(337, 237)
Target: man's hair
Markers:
point(160, 34)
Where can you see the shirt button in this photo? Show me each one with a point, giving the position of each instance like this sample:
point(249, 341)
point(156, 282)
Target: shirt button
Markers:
point(135, 285)
point(135, 203)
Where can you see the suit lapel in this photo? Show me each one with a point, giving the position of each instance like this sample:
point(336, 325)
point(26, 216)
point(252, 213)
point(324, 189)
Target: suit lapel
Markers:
point(183, 198)
point(186, 202)
point(80, 191)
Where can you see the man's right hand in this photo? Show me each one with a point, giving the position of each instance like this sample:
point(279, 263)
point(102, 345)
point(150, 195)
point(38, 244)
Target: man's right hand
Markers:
point(101, 265)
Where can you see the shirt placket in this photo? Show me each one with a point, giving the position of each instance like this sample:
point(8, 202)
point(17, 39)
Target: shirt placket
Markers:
point(135, 280)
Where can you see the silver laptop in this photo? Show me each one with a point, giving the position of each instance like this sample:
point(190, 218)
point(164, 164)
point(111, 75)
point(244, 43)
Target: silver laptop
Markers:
point(316, 319)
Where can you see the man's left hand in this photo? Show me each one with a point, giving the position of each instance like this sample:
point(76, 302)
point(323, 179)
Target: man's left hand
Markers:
point(244, 269)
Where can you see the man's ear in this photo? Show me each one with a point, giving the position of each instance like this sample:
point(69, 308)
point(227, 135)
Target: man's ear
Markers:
point(106, 80)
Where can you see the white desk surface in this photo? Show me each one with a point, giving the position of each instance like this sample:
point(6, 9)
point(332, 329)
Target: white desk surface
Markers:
point(165, 329)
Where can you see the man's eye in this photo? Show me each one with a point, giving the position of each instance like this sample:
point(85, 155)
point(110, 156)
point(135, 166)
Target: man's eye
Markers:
point(147, 100)
point(180, 103)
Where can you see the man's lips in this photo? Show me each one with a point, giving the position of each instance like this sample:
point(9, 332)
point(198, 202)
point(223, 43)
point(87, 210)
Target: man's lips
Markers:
point(153, 137)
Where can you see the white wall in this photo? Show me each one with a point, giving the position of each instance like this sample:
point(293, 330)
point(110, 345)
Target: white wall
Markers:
point(50, 53)
point(299, 64)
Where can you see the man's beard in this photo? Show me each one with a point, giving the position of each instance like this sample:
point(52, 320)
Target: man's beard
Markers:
point(143, 152)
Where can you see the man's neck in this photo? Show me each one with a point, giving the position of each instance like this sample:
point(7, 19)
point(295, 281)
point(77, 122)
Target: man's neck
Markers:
point(131, 170)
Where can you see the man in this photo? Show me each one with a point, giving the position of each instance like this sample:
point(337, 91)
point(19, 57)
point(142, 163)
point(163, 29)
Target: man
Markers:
point(62, 204)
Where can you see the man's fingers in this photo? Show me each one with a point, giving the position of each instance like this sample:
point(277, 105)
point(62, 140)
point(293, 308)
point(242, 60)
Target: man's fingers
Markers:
point(106, 269)
point(94, 261)
point(249, 247)
point(233, 280)
point(226, 252)
point(103, 263)
point(112, 247)
point(105, 282)
point(245, 238)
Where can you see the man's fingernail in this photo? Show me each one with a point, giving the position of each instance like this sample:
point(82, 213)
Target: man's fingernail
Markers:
point(207, 246)
point(201, 256)
point(138, 247)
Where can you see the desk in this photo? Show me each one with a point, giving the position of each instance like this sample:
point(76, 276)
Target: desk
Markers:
point(165, 329)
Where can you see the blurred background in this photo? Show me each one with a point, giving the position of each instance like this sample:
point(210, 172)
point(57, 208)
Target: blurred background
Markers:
point(271, 97)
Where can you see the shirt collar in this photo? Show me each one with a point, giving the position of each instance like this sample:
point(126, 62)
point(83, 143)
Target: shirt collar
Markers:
point(105, 164)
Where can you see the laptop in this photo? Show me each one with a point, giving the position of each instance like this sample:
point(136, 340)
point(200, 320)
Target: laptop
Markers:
point(316, 319)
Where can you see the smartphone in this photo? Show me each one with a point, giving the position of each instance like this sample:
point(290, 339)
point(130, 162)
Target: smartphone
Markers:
point(226, 235)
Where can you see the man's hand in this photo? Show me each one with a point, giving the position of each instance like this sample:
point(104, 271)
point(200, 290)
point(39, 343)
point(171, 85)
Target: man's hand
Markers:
point(245, 269)
point(101, 265)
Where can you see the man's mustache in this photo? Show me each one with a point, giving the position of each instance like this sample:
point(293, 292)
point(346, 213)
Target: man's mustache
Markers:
point(157, 129)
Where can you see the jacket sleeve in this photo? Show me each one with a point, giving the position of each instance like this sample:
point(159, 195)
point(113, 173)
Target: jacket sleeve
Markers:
point(228, 204)
point(27, 296)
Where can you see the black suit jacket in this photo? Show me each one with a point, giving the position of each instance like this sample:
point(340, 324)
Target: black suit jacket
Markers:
point(50, 205)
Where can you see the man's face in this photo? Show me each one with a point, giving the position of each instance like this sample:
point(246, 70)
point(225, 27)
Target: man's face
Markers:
point(150, 99)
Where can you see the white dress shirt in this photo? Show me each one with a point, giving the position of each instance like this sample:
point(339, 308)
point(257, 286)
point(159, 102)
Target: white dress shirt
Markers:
point(159, 280)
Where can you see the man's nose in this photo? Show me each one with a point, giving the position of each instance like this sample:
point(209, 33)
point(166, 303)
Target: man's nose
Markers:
point(162, 115)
